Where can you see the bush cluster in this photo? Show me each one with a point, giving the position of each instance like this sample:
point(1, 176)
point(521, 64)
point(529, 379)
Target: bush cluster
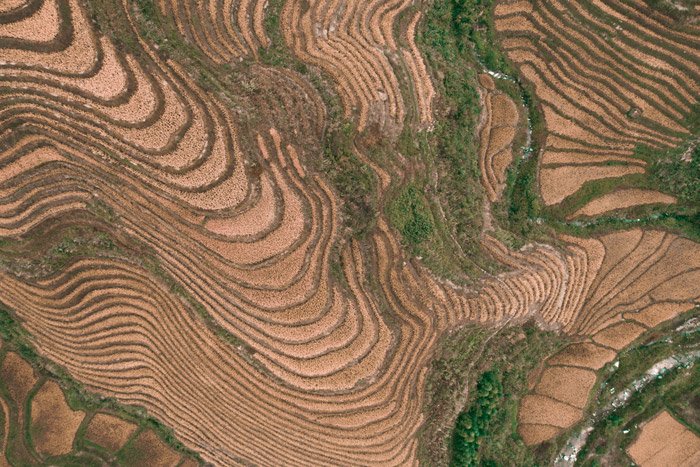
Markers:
point(474, 423)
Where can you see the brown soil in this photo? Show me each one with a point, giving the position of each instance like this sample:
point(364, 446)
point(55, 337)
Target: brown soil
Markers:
point(189, 462)
point(498, 130)
point(333, 336)
point(40, 27)
point(54, 423)
point(5, 413)
point(664, 441)
point(622, 199)
point(588, 83)
point(353, 42)
point(535, 434)
point(542, 410)
point(109, 431)
point(18, 377)
point(419, 74)
point(585, 355)
point(658, 313)
point(149, 448)
point(8, 5)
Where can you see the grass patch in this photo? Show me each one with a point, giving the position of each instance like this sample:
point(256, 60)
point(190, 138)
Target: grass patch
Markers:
point(611, 436)
point(676, 171)
point(472, 23)
point(410, 214)
point(680, 10)
point(673, 171)
point(448, 375)
point(451, 37)
point(53, 250)
point(353, 180)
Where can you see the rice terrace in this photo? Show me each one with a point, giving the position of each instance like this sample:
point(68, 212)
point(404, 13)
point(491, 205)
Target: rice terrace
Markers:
point(349, 232)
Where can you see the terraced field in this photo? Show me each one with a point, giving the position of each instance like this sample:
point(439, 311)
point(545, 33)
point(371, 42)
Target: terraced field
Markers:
point(665, 441)
point(178, 187)
point(42, 427)
point(617, 76)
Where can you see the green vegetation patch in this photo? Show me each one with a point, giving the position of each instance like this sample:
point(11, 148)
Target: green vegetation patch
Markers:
point(472, 23)
point(493, 365)
point(449, 373)
point(475, 422)
point(448, 152)
point(410, 214)
point(680, 10)
point(676, 172)
point(353, 179)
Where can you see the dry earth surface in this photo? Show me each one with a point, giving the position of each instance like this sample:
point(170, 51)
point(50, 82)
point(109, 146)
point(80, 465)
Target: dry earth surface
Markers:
point(54, 433)
point(665, 441)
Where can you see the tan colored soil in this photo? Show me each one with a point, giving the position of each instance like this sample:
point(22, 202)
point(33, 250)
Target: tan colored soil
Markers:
point(5, 413)
point(566, 384)
point(258, 26)
point(544, 410)
point(109, 431)
point(535, 434)
point(325, 373)
point(423, 86)
point(658, 313)
point(7, 5)
point(189, 462)
point(586, 108)
point(40, 27)
point(486, 82)
point(340, 39)
point(509, 8)
point(496, 152)
point(585, 152)
point(619, 335)
point(555, 156)
point(243, 18)
point(259, 217)
point(664, 441)
point(558, 183)
point(30, 160)
point(622, 199)
point(54, 423)
point(585, 355)
point(78, 57)
point(634, 90)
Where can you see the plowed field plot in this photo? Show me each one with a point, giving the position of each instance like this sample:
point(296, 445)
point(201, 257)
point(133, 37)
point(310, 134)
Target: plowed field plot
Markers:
point(60, 427)
point(665, 441)
point(213, 217)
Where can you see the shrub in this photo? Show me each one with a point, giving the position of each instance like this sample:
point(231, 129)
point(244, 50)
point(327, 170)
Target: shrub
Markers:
point(474, 423)
point(410, 215)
